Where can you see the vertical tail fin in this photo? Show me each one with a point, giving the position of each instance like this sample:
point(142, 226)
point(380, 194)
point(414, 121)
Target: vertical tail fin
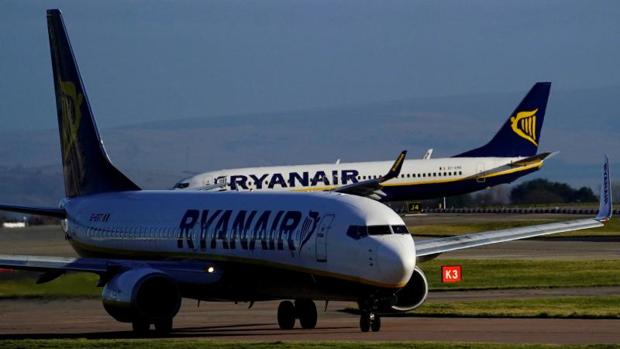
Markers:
point(520, 134)
point(86, 166)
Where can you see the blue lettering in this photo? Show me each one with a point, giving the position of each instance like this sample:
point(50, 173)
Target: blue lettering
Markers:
point(260, 231)
point(258, 181)
point(349, 175)
point(289, 224)
point(204, 226)
point(221, 228)
point(277, 178)
point(319, 176)
point(238, 182)
point(187, 223)
point(294, 177)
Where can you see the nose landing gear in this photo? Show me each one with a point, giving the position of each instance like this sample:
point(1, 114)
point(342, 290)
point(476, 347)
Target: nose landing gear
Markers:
point(370, 321)
point(369, 317)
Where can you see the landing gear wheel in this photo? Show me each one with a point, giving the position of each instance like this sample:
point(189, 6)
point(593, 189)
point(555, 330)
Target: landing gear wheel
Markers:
point(375, 324)
point(163, 327)
point(140, 327)
point(306, 312)
point(286, 315)
point(365, 321)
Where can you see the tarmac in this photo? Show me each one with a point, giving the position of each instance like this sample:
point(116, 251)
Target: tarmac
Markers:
point(36, 319)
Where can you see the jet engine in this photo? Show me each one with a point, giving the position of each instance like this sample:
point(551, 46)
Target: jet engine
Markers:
point(142, 294)
point(413, 294)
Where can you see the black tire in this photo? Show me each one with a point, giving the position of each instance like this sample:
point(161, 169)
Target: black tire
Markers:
point(140, 327)
point(375, 325)
point(306, 312)
point(365, 322)
point(163, 327)
point(286, 315)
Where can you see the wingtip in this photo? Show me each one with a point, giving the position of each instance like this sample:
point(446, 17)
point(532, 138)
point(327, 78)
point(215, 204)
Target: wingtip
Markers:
point(605, 201)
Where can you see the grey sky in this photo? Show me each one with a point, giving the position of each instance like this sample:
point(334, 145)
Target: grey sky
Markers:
point(163, 60)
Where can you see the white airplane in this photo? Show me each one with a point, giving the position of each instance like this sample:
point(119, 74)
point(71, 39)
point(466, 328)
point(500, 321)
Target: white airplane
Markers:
point(508, 156)
point(151, 248)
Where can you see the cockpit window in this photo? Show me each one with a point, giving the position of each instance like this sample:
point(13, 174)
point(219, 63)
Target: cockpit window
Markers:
point(400, 229)
point(357, 232)
point(379, 230)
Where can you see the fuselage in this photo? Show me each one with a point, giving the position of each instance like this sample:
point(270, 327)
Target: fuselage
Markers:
point(340, 240)
point(419, 179)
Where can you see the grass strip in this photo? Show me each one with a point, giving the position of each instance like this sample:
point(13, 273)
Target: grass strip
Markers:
point(72, 285)
point(510, 274)
point(193, 344)
point(600, 307)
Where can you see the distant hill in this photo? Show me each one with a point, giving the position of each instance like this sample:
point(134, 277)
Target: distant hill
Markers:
point(581, 124)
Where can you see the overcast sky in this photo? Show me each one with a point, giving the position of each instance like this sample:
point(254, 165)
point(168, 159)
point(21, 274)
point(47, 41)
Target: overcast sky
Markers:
point(162, 60)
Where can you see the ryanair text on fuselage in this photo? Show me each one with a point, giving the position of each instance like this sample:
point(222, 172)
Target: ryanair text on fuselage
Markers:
point(294, 179)
point(247, 227)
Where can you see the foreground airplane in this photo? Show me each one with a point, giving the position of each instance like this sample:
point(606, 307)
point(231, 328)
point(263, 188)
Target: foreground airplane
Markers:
point(508, 156)
point(153, 248)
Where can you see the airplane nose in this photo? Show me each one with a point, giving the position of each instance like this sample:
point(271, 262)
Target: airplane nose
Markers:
point(396, 260)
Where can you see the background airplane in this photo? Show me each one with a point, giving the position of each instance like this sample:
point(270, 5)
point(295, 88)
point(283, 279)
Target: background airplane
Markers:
point(508, 156)
point(153, 248)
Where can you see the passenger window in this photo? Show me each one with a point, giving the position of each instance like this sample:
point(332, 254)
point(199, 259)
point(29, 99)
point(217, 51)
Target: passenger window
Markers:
point(400, 229)
point(379, 230)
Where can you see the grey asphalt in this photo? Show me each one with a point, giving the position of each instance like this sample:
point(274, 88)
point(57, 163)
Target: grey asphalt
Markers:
point(227, 321)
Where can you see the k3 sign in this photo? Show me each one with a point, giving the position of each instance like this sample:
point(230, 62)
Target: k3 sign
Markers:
point(451, 273)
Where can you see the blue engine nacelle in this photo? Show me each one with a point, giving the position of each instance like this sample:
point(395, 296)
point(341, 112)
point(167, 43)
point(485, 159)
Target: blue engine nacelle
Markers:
point(142, 294)
point(413, 294)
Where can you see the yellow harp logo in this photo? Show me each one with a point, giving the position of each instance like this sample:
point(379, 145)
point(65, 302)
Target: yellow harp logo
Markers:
point(524, 125)
point(71, 103)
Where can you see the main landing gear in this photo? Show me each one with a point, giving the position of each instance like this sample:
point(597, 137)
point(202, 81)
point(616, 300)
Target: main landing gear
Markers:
point(303, 309)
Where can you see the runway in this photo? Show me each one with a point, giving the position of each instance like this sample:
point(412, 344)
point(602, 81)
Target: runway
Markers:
point(227, 321)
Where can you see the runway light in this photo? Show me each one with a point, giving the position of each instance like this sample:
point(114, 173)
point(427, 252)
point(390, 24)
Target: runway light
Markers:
point(210, 270)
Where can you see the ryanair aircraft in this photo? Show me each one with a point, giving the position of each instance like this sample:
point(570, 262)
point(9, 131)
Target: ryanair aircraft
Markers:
point(508, 156)
point(151, 249)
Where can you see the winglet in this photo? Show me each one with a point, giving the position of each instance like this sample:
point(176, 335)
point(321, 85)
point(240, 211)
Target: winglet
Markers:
point(372, 187)
point(605, 201)
point(396, 167)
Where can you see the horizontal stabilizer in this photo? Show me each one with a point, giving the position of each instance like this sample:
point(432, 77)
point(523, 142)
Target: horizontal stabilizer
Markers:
point(523, 164)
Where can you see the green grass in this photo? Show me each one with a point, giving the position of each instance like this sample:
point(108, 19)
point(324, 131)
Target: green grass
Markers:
point(600, 307)
point(506, 274)
point(74, 285)
point(191, 344)
point(610, 229)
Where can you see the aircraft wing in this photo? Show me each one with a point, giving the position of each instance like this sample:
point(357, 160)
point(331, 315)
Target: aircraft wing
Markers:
point(203, 272)
point(428, 249)
point(372, 187)
point(41, 211)
point(529, 162)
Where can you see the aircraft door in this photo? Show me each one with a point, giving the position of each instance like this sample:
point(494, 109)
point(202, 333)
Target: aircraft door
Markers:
point(321, 237)
point(479, 170)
